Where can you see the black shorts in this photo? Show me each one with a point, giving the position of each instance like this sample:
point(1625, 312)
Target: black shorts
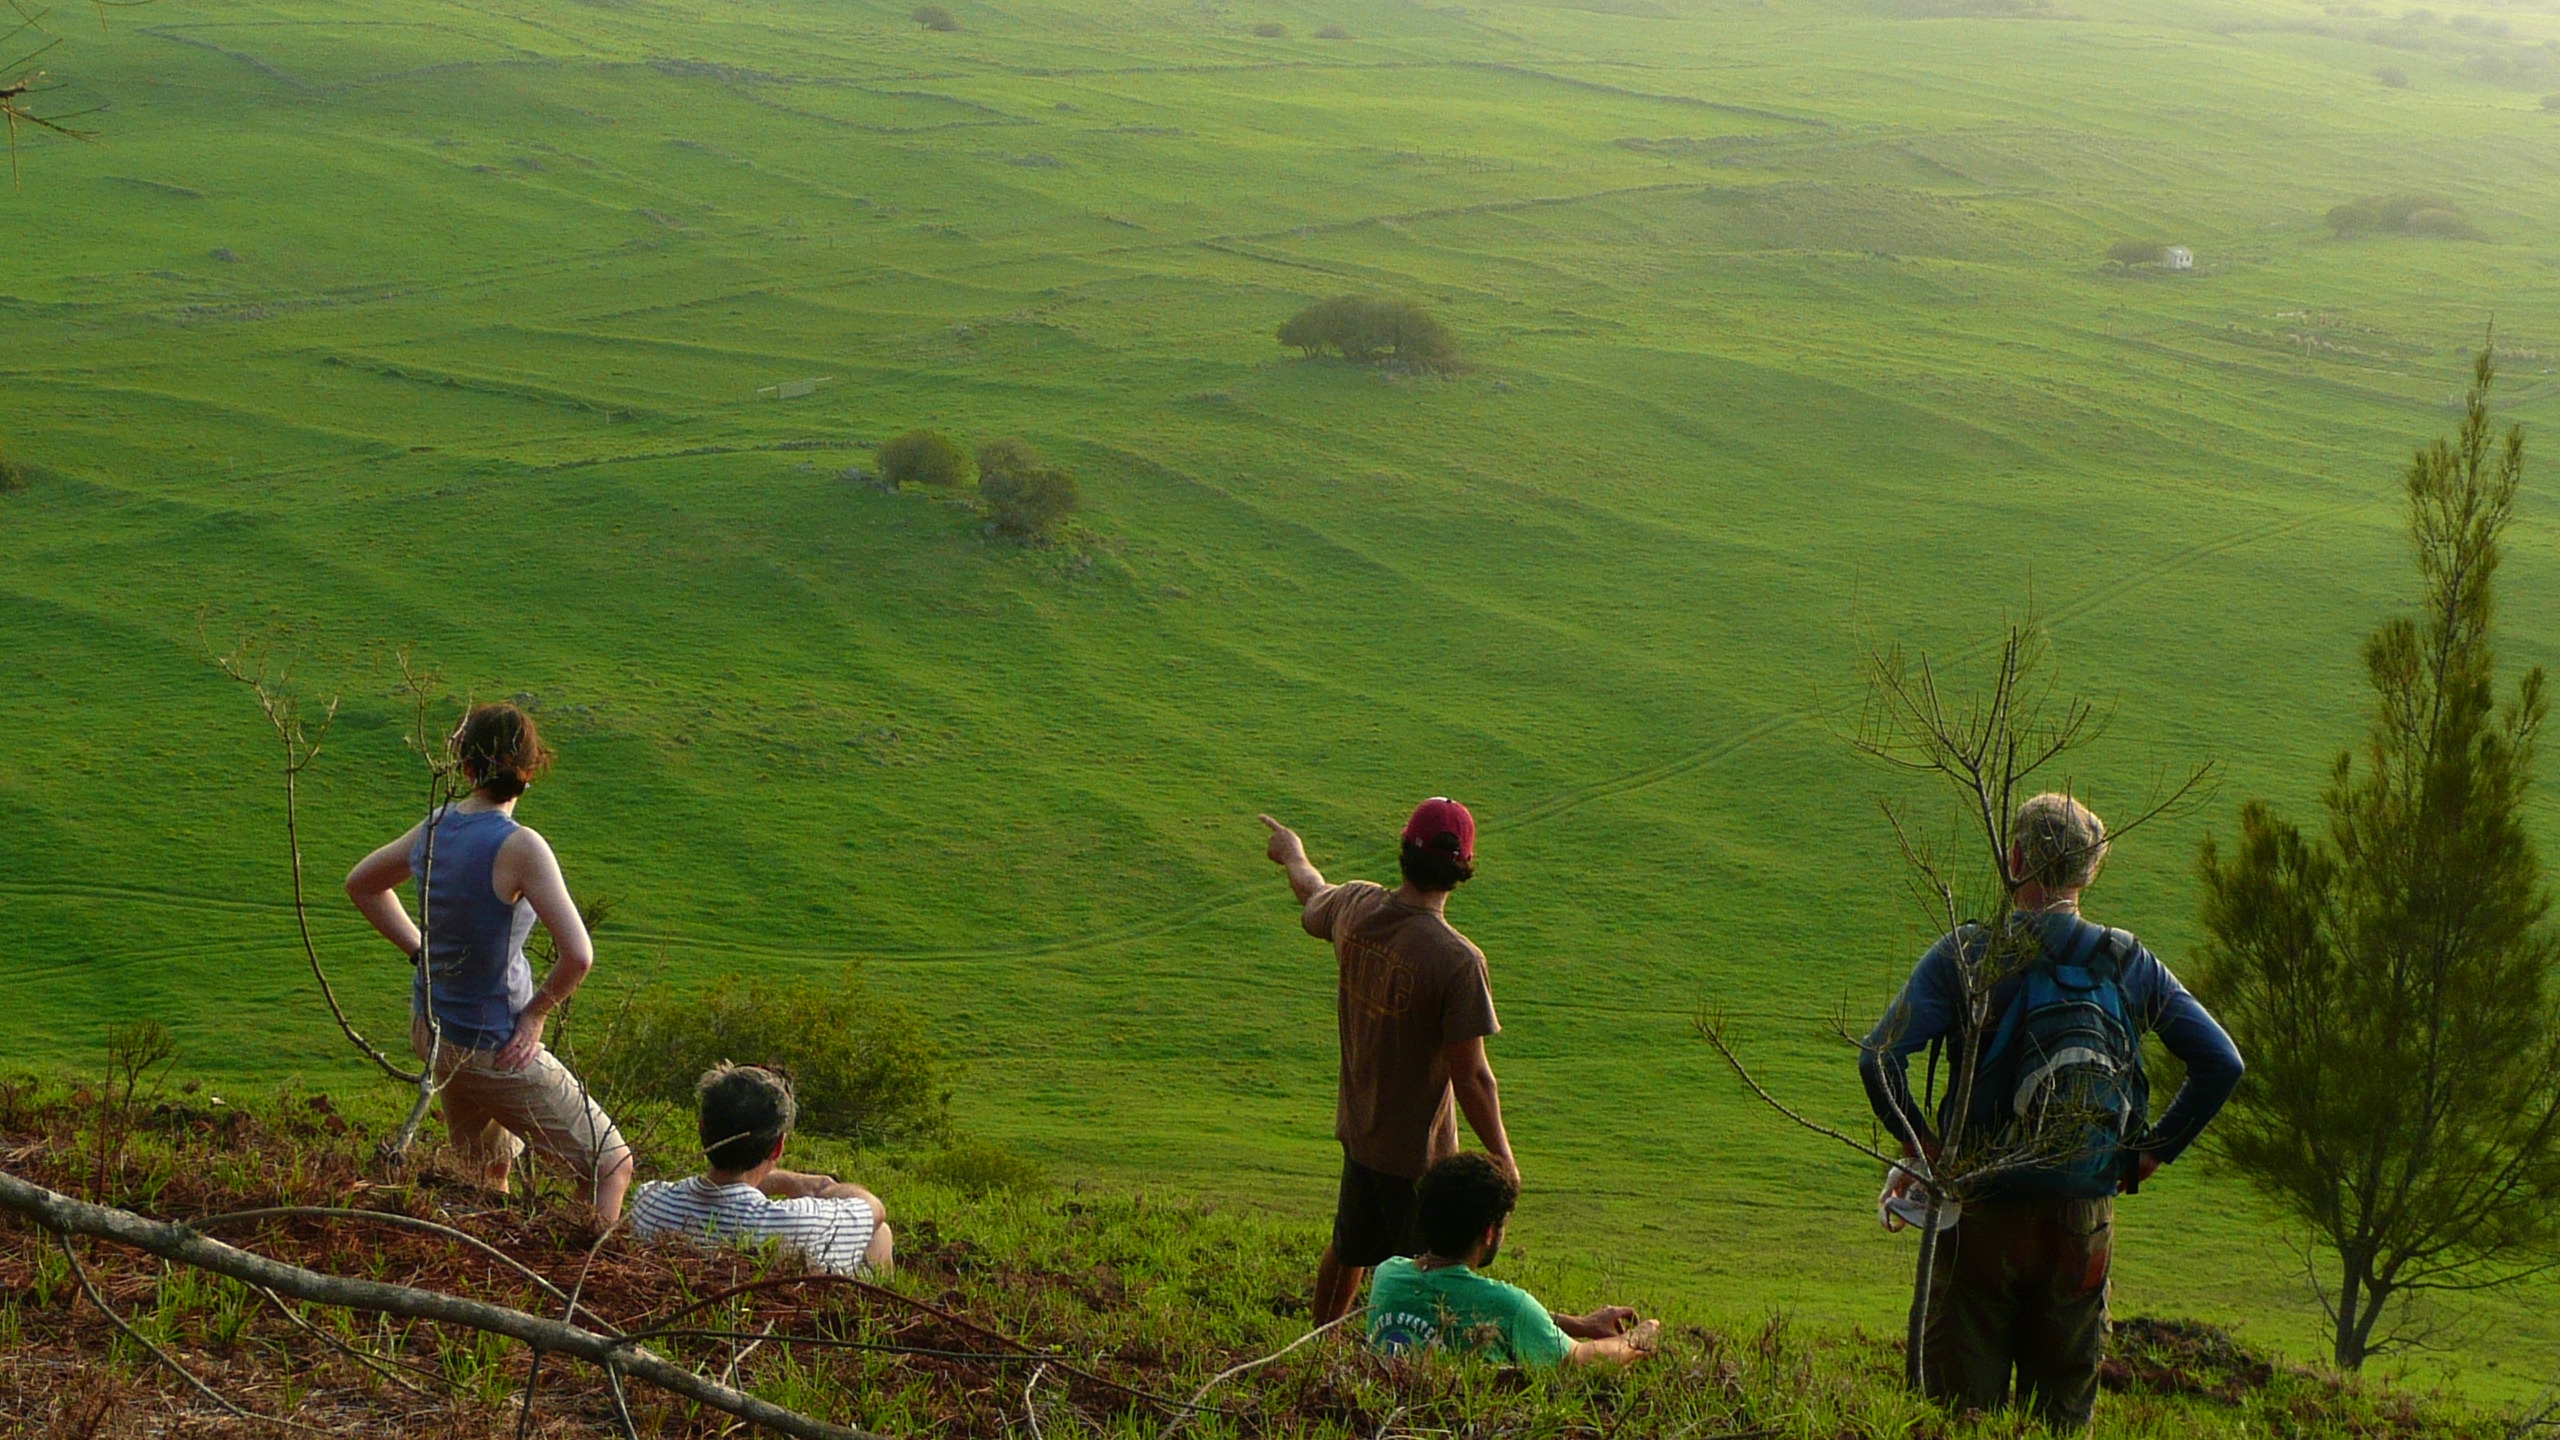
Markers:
point(1374, 1218)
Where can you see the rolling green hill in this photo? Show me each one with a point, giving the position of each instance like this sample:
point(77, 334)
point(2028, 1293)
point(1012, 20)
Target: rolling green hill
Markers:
point(441, 326)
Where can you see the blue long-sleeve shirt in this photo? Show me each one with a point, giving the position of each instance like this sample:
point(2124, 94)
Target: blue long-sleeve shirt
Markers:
point(1932, 1005)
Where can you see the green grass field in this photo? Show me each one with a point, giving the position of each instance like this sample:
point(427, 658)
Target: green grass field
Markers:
point(439, 326)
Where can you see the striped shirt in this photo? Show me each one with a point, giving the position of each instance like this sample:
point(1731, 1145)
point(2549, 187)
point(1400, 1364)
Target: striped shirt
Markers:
point(831, 1234)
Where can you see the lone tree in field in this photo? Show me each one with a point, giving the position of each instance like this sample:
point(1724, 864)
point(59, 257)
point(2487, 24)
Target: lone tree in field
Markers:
point(936, 18)
point(1026, 496)
point(922, 457)
point(1368, 330)
point(2394, 974)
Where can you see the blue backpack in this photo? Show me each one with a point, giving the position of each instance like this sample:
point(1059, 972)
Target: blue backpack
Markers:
point(2067, 1054)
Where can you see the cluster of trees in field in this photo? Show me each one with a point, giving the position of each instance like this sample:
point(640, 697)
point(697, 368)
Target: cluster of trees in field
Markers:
point(2403, 214)
point(937, 18)
point(1372, 330)
point(1021, 493)
point(2484, 48)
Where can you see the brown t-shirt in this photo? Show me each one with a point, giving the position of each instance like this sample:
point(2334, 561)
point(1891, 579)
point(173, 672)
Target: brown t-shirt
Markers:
point(1410, 984)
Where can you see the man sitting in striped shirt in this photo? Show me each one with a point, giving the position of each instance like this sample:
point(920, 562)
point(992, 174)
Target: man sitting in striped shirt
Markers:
point(746, 1198)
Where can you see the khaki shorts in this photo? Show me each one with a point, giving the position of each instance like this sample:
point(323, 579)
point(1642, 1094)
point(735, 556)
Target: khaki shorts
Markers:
point(492, 1114)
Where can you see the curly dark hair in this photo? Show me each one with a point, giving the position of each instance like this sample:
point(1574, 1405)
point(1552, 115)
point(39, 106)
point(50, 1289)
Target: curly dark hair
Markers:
point(1459, 1199)
point(500, 749)
point(1430, 868)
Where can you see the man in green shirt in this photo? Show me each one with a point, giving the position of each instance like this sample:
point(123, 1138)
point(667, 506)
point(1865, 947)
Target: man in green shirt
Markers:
point(1444, 1301)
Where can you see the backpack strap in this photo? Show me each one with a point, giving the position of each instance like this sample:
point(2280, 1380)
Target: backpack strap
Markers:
point(2073, 969)
point(2081, 949)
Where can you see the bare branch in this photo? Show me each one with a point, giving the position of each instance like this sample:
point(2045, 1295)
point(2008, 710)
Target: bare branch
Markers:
point(300, 749)
point(399, 1222)
point(67, 1216)
point(1711, 1030)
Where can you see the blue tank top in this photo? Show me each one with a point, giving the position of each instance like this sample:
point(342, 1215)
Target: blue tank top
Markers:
point(476, 941)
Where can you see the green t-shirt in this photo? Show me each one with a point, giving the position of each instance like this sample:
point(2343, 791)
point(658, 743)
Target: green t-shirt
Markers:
point(1457, 1309)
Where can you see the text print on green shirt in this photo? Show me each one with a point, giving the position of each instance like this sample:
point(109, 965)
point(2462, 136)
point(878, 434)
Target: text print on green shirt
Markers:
point(1452, 1308)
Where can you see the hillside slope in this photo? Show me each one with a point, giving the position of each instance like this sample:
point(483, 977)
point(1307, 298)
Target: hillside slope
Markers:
point(440, 327)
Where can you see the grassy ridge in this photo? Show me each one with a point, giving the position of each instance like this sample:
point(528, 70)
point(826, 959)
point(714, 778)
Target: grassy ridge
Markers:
point(1013, 1308)
point(1790, 321)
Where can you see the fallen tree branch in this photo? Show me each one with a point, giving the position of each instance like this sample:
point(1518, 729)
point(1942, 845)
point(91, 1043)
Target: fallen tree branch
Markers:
point(399, 1221)
point(66, 1217)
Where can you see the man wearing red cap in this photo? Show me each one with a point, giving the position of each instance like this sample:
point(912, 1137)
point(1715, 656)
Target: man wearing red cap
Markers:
point(1413, 1008)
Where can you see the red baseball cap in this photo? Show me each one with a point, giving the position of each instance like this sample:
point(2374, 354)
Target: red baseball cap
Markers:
point(1443, 824)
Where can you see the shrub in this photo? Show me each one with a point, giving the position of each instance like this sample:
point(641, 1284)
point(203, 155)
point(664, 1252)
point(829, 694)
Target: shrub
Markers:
point(1029, 502)
point(1333, 32)
point(2551, 102)
point(1368, 330)
point(2442, 224)
point(863, 1068)
point(925, 457)
point(999, 456)
point(2398, 215)
point(14, 476)
point(975, 1167)
point(935, 17)
point(2129, 253)
point(2392, 75)
point(1272, 30)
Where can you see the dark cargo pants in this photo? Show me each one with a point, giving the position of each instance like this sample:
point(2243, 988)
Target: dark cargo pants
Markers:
point(2021, 1284)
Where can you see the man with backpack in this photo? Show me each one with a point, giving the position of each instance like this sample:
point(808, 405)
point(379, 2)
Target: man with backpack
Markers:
point(2051, 1122)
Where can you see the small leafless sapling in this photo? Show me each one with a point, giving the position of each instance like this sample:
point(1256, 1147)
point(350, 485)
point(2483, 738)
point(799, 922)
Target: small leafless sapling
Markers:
point(298, 745)
point(21, 81)
point(1982, 751)
point(444, 786)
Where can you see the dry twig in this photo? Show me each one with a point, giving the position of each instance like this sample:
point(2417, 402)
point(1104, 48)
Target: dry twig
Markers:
point(80, 1273)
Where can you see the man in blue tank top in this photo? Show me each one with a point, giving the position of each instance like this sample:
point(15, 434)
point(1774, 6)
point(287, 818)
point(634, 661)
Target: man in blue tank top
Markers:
point(476, 1013)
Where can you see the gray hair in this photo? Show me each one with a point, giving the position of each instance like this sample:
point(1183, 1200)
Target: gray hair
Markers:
point(2060, 842)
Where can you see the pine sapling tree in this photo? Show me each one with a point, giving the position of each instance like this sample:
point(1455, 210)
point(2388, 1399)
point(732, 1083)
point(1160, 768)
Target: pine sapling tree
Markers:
point(2391, 976)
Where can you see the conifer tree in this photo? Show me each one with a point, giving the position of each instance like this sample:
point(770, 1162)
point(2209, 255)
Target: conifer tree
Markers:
point(2391, 978)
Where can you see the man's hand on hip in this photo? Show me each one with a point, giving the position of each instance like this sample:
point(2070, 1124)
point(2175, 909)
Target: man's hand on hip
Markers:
point(2145, 1165)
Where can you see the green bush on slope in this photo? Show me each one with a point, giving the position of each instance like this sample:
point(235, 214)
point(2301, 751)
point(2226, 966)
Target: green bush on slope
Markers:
point(863, 1068)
